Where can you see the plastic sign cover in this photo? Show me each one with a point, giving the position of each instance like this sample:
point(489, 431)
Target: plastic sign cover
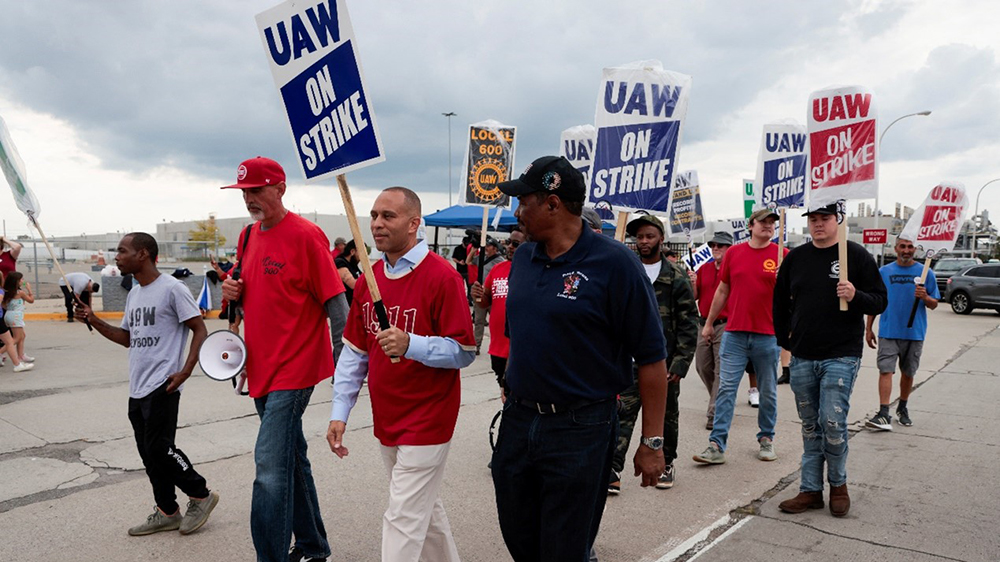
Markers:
point(314, 60)
point(639, 119)
point(843, 145)
point(13, 170)
point(934, 228)
point(781, 166)
point(489, 159)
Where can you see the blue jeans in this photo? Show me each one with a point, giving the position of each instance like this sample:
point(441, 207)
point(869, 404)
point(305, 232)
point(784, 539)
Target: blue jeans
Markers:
point(284, 495)
point(550, 473)
point(737, 348)
point(823, 397)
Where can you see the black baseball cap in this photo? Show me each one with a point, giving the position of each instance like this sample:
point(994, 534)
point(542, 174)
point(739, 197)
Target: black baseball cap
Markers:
point(830, 209)
point(548, 174)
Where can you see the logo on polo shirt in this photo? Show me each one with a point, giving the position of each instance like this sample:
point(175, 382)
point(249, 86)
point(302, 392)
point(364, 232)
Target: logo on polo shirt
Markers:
point(571, 284)
point(835, 269)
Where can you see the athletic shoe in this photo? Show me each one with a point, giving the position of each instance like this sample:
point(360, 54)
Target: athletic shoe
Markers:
point(3, 360)
point(904, 417)
point(198, 512)
point(880, 422)
point(766, 452)
point(711, 455)
point(26, 359)
point(754, 398)
point(296, 555)
point(666, 480)
point(708, 424)
point(156, 522)
point(23, 367)
point(615, 483)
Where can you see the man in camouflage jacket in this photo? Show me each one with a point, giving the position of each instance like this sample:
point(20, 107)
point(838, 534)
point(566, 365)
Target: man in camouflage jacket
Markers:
point(679, 315)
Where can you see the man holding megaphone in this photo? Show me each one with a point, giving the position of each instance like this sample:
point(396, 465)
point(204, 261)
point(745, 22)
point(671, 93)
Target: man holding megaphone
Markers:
point(159, 311)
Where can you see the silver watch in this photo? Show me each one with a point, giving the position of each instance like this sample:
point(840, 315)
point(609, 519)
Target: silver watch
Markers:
point(654, 443)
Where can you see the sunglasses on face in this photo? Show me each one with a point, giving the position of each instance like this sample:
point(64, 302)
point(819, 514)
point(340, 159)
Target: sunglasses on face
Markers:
point(513, 243)
point(713, 245)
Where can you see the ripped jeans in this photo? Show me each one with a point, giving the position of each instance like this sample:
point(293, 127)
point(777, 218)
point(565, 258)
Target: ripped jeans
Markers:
point(823, 397)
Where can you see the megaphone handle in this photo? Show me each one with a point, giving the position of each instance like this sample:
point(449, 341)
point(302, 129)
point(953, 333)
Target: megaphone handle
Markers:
point(383, 321)
point(233, 305)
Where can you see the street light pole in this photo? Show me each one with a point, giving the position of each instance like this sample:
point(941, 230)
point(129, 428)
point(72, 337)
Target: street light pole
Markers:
point(449, 115)
point(975, 239)
point(878, 214)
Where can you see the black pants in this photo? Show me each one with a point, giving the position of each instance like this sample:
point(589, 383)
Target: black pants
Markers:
point(499, 365)
point(68, 297)
point(154, 421)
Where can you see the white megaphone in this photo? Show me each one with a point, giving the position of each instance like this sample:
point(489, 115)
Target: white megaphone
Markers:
point(223, 355)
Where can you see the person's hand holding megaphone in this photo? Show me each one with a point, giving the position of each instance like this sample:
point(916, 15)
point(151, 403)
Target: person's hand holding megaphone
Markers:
point(335, 437)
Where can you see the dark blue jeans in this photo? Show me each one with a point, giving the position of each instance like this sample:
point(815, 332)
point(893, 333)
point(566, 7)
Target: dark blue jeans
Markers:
point(284, 495)
point(550, 473)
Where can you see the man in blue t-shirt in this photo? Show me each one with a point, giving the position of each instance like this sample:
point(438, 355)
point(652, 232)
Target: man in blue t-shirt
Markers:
point(895, 339)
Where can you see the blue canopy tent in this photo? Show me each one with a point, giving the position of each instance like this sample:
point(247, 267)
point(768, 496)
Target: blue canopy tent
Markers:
point(461, 216)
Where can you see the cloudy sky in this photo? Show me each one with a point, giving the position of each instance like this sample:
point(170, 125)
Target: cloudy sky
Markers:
point(130, 113)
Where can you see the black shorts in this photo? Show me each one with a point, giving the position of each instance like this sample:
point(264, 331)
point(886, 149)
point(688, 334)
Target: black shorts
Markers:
point(3, 328)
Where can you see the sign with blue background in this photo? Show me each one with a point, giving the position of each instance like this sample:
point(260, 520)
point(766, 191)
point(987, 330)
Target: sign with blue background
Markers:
point(640, 115)
point(781, 167)
point(314, 60)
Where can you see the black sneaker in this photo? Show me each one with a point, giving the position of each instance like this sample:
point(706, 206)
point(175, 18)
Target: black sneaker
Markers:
point(904, 417)
point(296, 555)
point(666, 480)
point(784, 379)
point(614, 484)
point(881, 423)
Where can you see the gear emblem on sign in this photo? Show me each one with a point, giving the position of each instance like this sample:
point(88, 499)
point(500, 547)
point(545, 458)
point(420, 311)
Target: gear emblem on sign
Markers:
point(485, 177)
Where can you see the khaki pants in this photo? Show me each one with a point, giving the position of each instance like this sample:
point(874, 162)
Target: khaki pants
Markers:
point(415, 527)
point(479, 323)
point(706, 357)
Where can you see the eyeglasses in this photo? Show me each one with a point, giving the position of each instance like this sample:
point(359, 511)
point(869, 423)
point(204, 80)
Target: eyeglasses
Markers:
point(513, 243)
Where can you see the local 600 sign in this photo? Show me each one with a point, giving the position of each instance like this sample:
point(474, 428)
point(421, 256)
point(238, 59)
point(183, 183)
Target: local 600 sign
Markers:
point(314, 60)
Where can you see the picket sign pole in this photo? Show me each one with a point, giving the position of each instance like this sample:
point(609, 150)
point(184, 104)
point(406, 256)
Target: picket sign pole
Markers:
point(781, 235)
point(366, 266)
point(916, 301)
point(842, 251)
point(482, 246)
point(620, 229)
point(52, 253)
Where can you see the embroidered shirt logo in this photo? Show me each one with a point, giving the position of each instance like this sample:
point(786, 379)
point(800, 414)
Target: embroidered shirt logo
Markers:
point(835, 269)
point(272, 266)
point(571, 284)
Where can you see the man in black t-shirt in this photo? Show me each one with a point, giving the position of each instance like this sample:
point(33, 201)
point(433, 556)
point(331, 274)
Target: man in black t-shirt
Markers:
point(347, 267)
point(826, 345)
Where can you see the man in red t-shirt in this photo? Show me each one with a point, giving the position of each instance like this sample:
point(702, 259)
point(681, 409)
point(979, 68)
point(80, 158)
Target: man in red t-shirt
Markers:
point(706, 354)
point(415, 401)
point(746, 292)
point(289, 287)
point(492, 295)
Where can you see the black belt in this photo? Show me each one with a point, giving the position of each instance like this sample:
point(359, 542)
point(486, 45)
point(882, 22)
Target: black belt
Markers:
point(555, 408)
point(718, 322)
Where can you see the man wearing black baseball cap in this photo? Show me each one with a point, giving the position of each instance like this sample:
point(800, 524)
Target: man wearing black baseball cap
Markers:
point(571, 351)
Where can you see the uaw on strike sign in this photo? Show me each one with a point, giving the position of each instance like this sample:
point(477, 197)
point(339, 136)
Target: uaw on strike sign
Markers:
point(489, 158)
point(843, 147)
point(640, 113)
point(314, 59)
point(781, 167)
point(935, 226)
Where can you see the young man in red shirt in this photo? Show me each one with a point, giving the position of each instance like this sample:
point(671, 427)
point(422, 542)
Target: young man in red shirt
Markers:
point(415, 401)
point(288, 287)
point(706, 353)
point(493, 296)
point(746, 290)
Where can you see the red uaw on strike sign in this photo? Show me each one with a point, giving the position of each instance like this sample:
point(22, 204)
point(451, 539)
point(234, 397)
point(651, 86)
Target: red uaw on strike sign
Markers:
point(843, 147)
point(935, 226)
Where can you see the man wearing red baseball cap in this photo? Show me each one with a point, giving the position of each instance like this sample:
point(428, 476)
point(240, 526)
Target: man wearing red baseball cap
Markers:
point(286, 273)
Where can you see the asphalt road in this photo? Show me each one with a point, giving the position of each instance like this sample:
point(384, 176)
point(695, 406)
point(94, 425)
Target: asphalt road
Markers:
point(72, 481)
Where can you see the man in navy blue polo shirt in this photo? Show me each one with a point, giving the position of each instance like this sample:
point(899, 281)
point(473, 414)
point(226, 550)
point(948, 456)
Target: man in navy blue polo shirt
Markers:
point(579, 309)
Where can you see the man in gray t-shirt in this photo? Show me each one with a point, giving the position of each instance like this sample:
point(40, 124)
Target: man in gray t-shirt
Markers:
point(159, 311)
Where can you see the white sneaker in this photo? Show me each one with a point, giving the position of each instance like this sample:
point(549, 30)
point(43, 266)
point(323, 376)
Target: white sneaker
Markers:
point(754, 398)
point(24, 367)
point(26, 359)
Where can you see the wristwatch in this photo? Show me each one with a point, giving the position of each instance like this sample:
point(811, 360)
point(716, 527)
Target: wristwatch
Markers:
point(654, 443)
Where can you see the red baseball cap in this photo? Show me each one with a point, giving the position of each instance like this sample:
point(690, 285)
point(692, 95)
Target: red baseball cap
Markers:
point(257, 172)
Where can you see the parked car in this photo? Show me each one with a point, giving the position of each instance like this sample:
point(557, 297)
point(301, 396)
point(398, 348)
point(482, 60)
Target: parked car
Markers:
point(974, 287)
point(947, 267)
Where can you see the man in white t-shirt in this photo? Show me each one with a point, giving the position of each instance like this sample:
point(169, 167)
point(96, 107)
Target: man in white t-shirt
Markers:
point(81, 285)
point(159, 312)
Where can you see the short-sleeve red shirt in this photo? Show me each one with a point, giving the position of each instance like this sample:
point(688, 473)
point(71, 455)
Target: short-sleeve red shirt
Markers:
point(287, 275)
point(496, 284)
point(707, 282)
point(412, 404)
point(750, 273)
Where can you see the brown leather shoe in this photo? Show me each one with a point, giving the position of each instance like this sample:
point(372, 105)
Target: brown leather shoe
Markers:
point(802, 502)
point(840, 502)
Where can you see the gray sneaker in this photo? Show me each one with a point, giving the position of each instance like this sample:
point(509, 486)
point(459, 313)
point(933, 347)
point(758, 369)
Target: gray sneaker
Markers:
point(711, 455)
point(766, 452)
point(198, 512)
point(157, 522)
